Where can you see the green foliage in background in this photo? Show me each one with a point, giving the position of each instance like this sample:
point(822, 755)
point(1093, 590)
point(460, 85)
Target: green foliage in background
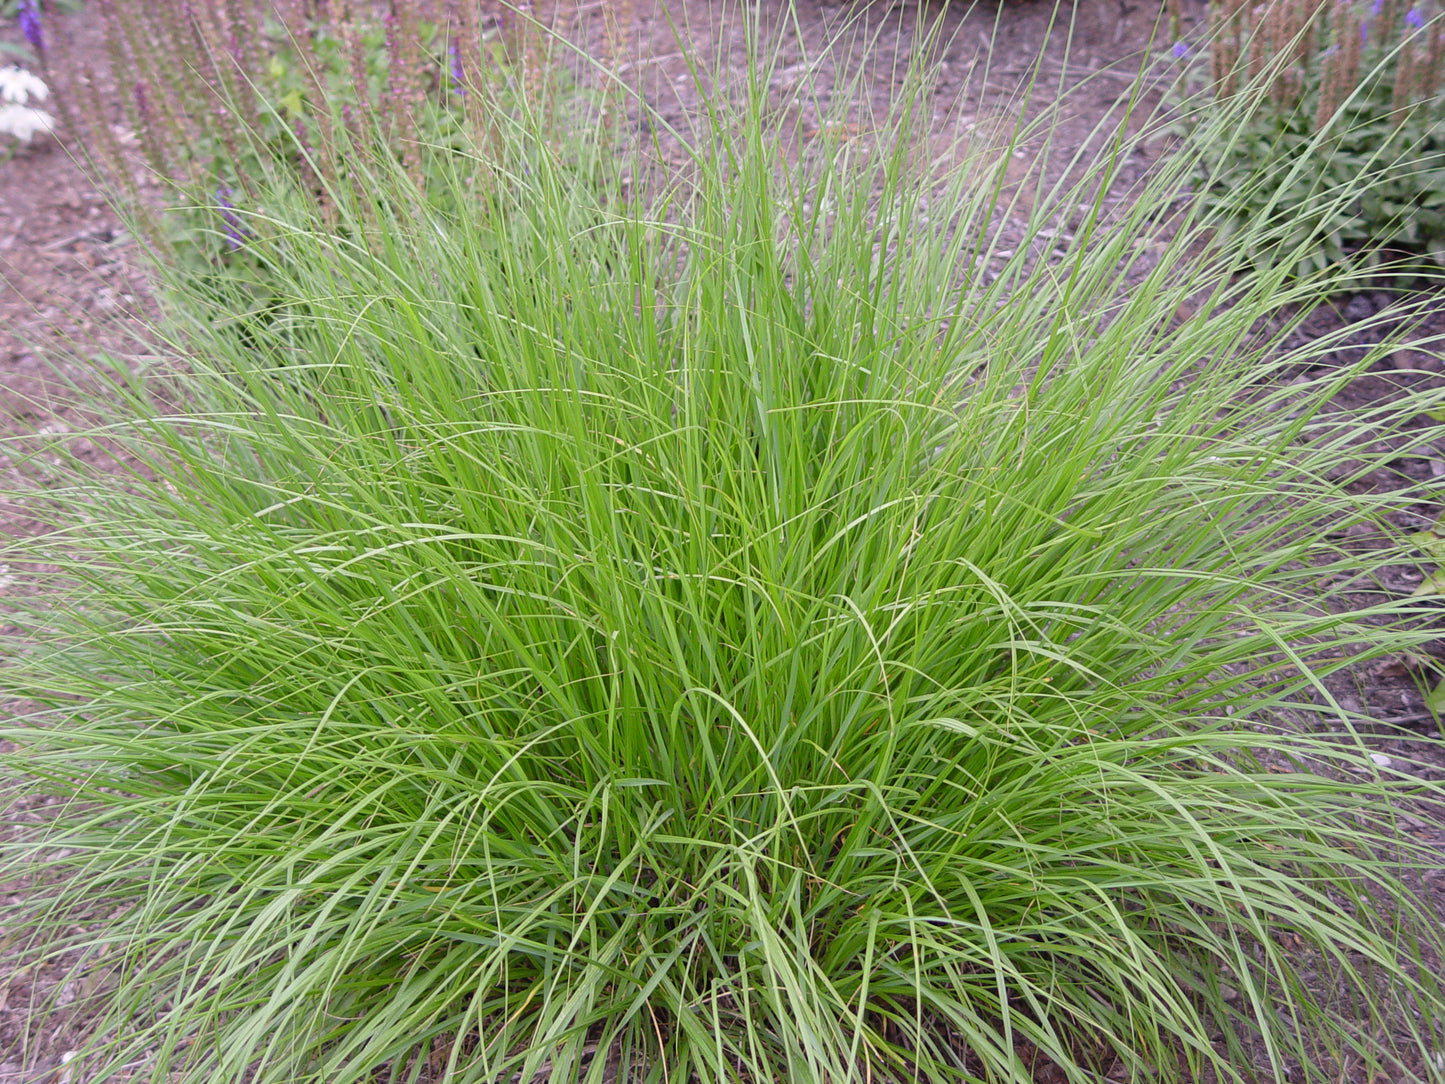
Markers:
point(751, 625)
point(1332, 117)
point(331, 105)
point(301, 98)
point(302, 81)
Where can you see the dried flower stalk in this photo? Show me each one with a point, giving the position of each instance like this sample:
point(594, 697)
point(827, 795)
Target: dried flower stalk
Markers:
point(194, 74)
point(1293, 44)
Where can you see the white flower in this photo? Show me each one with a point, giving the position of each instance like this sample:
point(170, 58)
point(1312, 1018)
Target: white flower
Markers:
point(18, 86)
point(23, 122)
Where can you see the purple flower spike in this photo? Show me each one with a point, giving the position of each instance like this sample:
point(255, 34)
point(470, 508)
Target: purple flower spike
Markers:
point(455, 69)
point(142, 101)
point(231, 226)
point(28, 14)
point(1414, 18)
point(1180, 50)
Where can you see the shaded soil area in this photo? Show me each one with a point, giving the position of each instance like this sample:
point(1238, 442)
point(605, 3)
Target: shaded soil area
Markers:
point(72, 287)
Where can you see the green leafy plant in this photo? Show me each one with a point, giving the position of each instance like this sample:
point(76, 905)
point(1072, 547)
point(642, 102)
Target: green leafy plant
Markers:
point(1431, 542)
point(1345, 97)
point(746, 626)
point(214, 96)
point(300, 78)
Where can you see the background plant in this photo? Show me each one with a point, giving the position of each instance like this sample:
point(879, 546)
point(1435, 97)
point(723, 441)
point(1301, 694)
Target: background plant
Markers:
point(1344, 96)
point(723, 637)
point(427, 74)
point(185, 73)
point(212, 95)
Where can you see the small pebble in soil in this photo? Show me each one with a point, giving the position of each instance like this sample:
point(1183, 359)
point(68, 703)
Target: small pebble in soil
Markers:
point(1358, 308)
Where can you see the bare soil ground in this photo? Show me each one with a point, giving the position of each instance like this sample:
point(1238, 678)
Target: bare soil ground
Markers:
point(71, 286)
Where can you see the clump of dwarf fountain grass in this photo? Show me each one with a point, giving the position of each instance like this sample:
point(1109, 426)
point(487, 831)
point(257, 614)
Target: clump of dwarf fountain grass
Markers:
point(758, 633)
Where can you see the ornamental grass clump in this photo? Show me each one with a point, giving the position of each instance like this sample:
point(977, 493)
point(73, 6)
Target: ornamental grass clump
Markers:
point(756, 629)
point(1349, 92)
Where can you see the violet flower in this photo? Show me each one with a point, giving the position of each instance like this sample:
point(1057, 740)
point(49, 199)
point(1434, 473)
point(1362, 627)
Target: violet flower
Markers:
point(1375, 8)
point(28, 15)
point(1414, 19)
point(231, 226)
point(1180, 50)
point(142, 102)
point(454, 70)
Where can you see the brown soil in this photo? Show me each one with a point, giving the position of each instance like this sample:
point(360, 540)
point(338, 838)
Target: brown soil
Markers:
point(71, 285)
